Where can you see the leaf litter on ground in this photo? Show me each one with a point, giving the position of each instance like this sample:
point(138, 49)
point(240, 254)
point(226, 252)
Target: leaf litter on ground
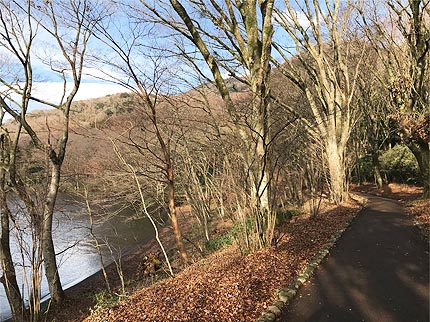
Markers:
point(227, 286)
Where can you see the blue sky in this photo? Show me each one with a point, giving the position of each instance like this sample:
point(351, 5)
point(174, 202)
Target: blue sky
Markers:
point(48, 84)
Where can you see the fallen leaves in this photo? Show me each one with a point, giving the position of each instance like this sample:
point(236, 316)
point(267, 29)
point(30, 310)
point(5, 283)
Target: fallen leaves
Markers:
point(420, 212)
point(229, 287)
point(419, 209)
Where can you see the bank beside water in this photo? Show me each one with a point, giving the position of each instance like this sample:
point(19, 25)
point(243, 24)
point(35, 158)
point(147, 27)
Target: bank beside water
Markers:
point(77, 258)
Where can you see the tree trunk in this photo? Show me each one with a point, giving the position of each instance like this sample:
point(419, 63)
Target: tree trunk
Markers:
point(10, 284)
point(336, 169)
point(51, 268)
point(376, 170)
point(173, 217)
point(422, 154)
point(260, 135)
point(254, 55)
point(8, 279)
point(261, 184)
point(260, 171)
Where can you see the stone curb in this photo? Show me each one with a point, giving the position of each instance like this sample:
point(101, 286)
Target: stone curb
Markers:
point(287, 294)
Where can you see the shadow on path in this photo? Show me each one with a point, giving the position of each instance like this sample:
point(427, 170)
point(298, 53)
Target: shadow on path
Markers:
point(379, 271)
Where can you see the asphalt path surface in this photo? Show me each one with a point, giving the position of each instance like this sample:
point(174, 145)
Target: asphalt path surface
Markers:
point(377, 272)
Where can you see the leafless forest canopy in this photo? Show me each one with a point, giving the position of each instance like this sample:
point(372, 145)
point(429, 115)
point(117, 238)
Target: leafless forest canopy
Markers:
point(240, 111)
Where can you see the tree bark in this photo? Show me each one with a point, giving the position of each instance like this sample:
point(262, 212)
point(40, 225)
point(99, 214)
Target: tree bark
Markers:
point(9, 281)
point(251, 39)
point(261, 172)
point(50, 261)
point(422, 154)
point(376, 170)
point(173, 217)
point(336, 167)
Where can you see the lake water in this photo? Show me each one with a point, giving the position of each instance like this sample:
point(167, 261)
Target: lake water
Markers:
point(78, 258)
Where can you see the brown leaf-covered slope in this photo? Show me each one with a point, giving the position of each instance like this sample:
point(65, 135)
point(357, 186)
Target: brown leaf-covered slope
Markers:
point(227, 286)
point(420, 211)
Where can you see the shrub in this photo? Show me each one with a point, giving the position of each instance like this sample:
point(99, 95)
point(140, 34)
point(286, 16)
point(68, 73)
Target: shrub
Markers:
point(241, 227)
point(283, 216)
point(219, 242)
point(100, 105)
point(236, 232)
point(399, 165)
point(104, 302)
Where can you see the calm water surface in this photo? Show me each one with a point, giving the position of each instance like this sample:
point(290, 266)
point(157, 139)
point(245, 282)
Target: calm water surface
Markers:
point(77, 257)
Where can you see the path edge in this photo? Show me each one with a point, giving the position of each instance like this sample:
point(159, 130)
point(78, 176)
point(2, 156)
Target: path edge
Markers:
point(286, 294)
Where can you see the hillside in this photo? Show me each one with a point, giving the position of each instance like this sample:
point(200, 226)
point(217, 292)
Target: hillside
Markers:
point(89, 149)
point(90, 158)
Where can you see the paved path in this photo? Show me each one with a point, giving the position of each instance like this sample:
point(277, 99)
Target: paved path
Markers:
point(378, 272)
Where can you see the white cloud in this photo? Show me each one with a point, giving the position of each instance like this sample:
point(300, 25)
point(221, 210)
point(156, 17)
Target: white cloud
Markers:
point(93, 90)
point(303, 19)
point(52, 91)
point(98, 74)
point(287, 18)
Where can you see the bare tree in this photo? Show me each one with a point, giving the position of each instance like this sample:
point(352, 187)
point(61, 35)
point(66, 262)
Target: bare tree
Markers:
point(19, 36)
point(234, 37)
point(8, 279)
point(402, 42)
point(145, 74)
point(324, 64)
point(373, 132)
point(144, 206)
